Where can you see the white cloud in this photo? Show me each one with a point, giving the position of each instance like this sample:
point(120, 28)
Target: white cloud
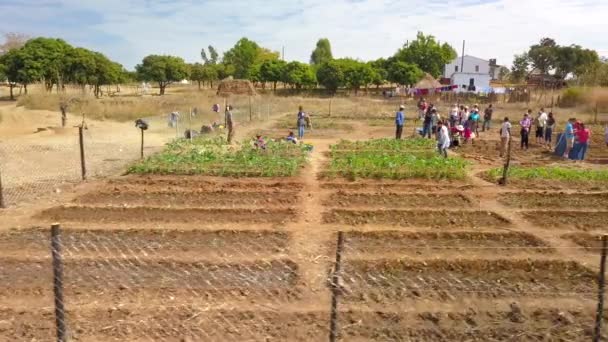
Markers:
point(365, 29)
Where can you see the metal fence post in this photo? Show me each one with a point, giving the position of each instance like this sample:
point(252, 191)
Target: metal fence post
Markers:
point(58, 283)
point(83, 168)
point(600, 296)
point(2, 204)
point(335, 289)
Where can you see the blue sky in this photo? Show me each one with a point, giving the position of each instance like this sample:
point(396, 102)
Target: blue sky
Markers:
point(128, 30)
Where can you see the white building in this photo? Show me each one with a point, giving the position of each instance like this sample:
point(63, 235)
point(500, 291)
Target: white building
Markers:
point(470, 73)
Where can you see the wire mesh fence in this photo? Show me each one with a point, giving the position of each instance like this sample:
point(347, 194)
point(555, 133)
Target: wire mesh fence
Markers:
point(170, 285)
point(39, 164)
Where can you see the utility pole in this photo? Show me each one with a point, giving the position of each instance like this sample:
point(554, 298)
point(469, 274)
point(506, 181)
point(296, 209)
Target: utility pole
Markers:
point(462, 58)
point(283, 53)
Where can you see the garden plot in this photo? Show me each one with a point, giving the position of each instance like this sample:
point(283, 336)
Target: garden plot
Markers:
point(190, 199)
point(140, 243)
point(133, 280)
point(136, 215)
point(392, 159)
point(552, 200)
point(591, 242)
point(553, 177)
point(384, 281)
point(170, 323)
point(417, 218)
point(575, 220)
point(396, 200)
point(509, 324)
point(201, 183)
point(214, 157)
point(374, 244)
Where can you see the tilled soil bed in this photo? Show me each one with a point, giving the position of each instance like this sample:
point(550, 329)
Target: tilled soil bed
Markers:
point(190, 199)
point(203, 183)
point(528, 200)
point(146, 243)
point(473, 325)
point(396, 200)
point(596, 220)
point(137, 280)
point(181, 323)
point(165, 215)
point(417, 218)
point(388, 280)
point(431, 244)
point(591, 242)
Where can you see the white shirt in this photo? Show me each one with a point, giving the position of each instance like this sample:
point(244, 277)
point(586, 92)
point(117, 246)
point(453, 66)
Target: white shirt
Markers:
point(443, 138)
point(542, 119)
point(504, 130)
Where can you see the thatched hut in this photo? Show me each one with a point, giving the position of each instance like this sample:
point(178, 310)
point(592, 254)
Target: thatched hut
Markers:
point(230, 86)
point(428, 82)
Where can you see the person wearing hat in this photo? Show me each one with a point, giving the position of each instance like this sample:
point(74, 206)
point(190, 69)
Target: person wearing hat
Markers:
point(399, 122)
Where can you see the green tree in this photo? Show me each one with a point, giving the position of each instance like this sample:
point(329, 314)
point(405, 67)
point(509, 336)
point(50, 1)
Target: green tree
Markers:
point(321, 53)
point(46, 58)
point(330, 76)
point(356, 74)
point(13, 68)
point(213, 55)
point(380, 75)
point(245, 54)
point(240, 58)
point(574, 60)
point(542, 56)
point(162, 69)
point(272, 71)
point(519, 70)
point(403, 73)
point(299, 75)
point(427, 54)
point(197, 73)
point(503, 73)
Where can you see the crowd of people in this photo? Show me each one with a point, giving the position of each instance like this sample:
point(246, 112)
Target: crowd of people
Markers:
point(462, 124)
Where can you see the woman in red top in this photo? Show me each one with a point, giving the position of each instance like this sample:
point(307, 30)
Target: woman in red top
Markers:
point(582, 135)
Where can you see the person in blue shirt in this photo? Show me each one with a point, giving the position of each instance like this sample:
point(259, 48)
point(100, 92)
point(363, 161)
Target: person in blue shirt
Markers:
point(399, 122)
point(301, 122)
point(569, 135)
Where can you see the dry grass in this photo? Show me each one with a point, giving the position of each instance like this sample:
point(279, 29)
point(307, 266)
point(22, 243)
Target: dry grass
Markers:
point(128, 105)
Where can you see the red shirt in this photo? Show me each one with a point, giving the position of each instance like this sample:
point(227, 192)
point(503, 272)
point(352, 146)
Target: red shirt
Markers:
point(583, 135)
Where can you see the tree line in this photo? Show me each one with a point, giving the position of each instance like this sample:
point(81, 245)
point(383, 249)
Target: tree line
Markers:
point(55, 63)
point(560, 62)
point(248, 60)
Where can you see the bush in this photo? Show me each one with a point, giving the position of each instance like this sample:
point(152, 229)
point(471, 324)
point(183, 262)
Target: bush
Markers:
point(572, 97)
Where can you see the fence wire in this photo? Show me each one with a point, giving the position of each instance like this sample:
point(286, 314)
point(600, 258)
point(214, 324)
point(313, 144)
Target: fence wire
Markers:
point(170, 285)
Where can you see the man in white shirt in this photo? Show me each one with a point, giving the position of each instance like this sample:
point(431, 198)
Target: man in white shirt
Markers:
point(541, 123)
point(505, 135)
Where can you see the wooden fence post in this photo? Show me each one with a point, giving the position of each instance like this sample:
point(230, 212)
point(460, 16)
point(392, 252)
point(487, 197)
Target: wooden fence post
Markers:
point(597, 334)
point(335, 287)
point(83, 167)
point(58, 283)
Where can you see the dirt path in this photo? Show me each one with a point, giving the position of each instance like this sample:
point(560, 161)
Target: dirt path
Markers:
point(310, 243)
